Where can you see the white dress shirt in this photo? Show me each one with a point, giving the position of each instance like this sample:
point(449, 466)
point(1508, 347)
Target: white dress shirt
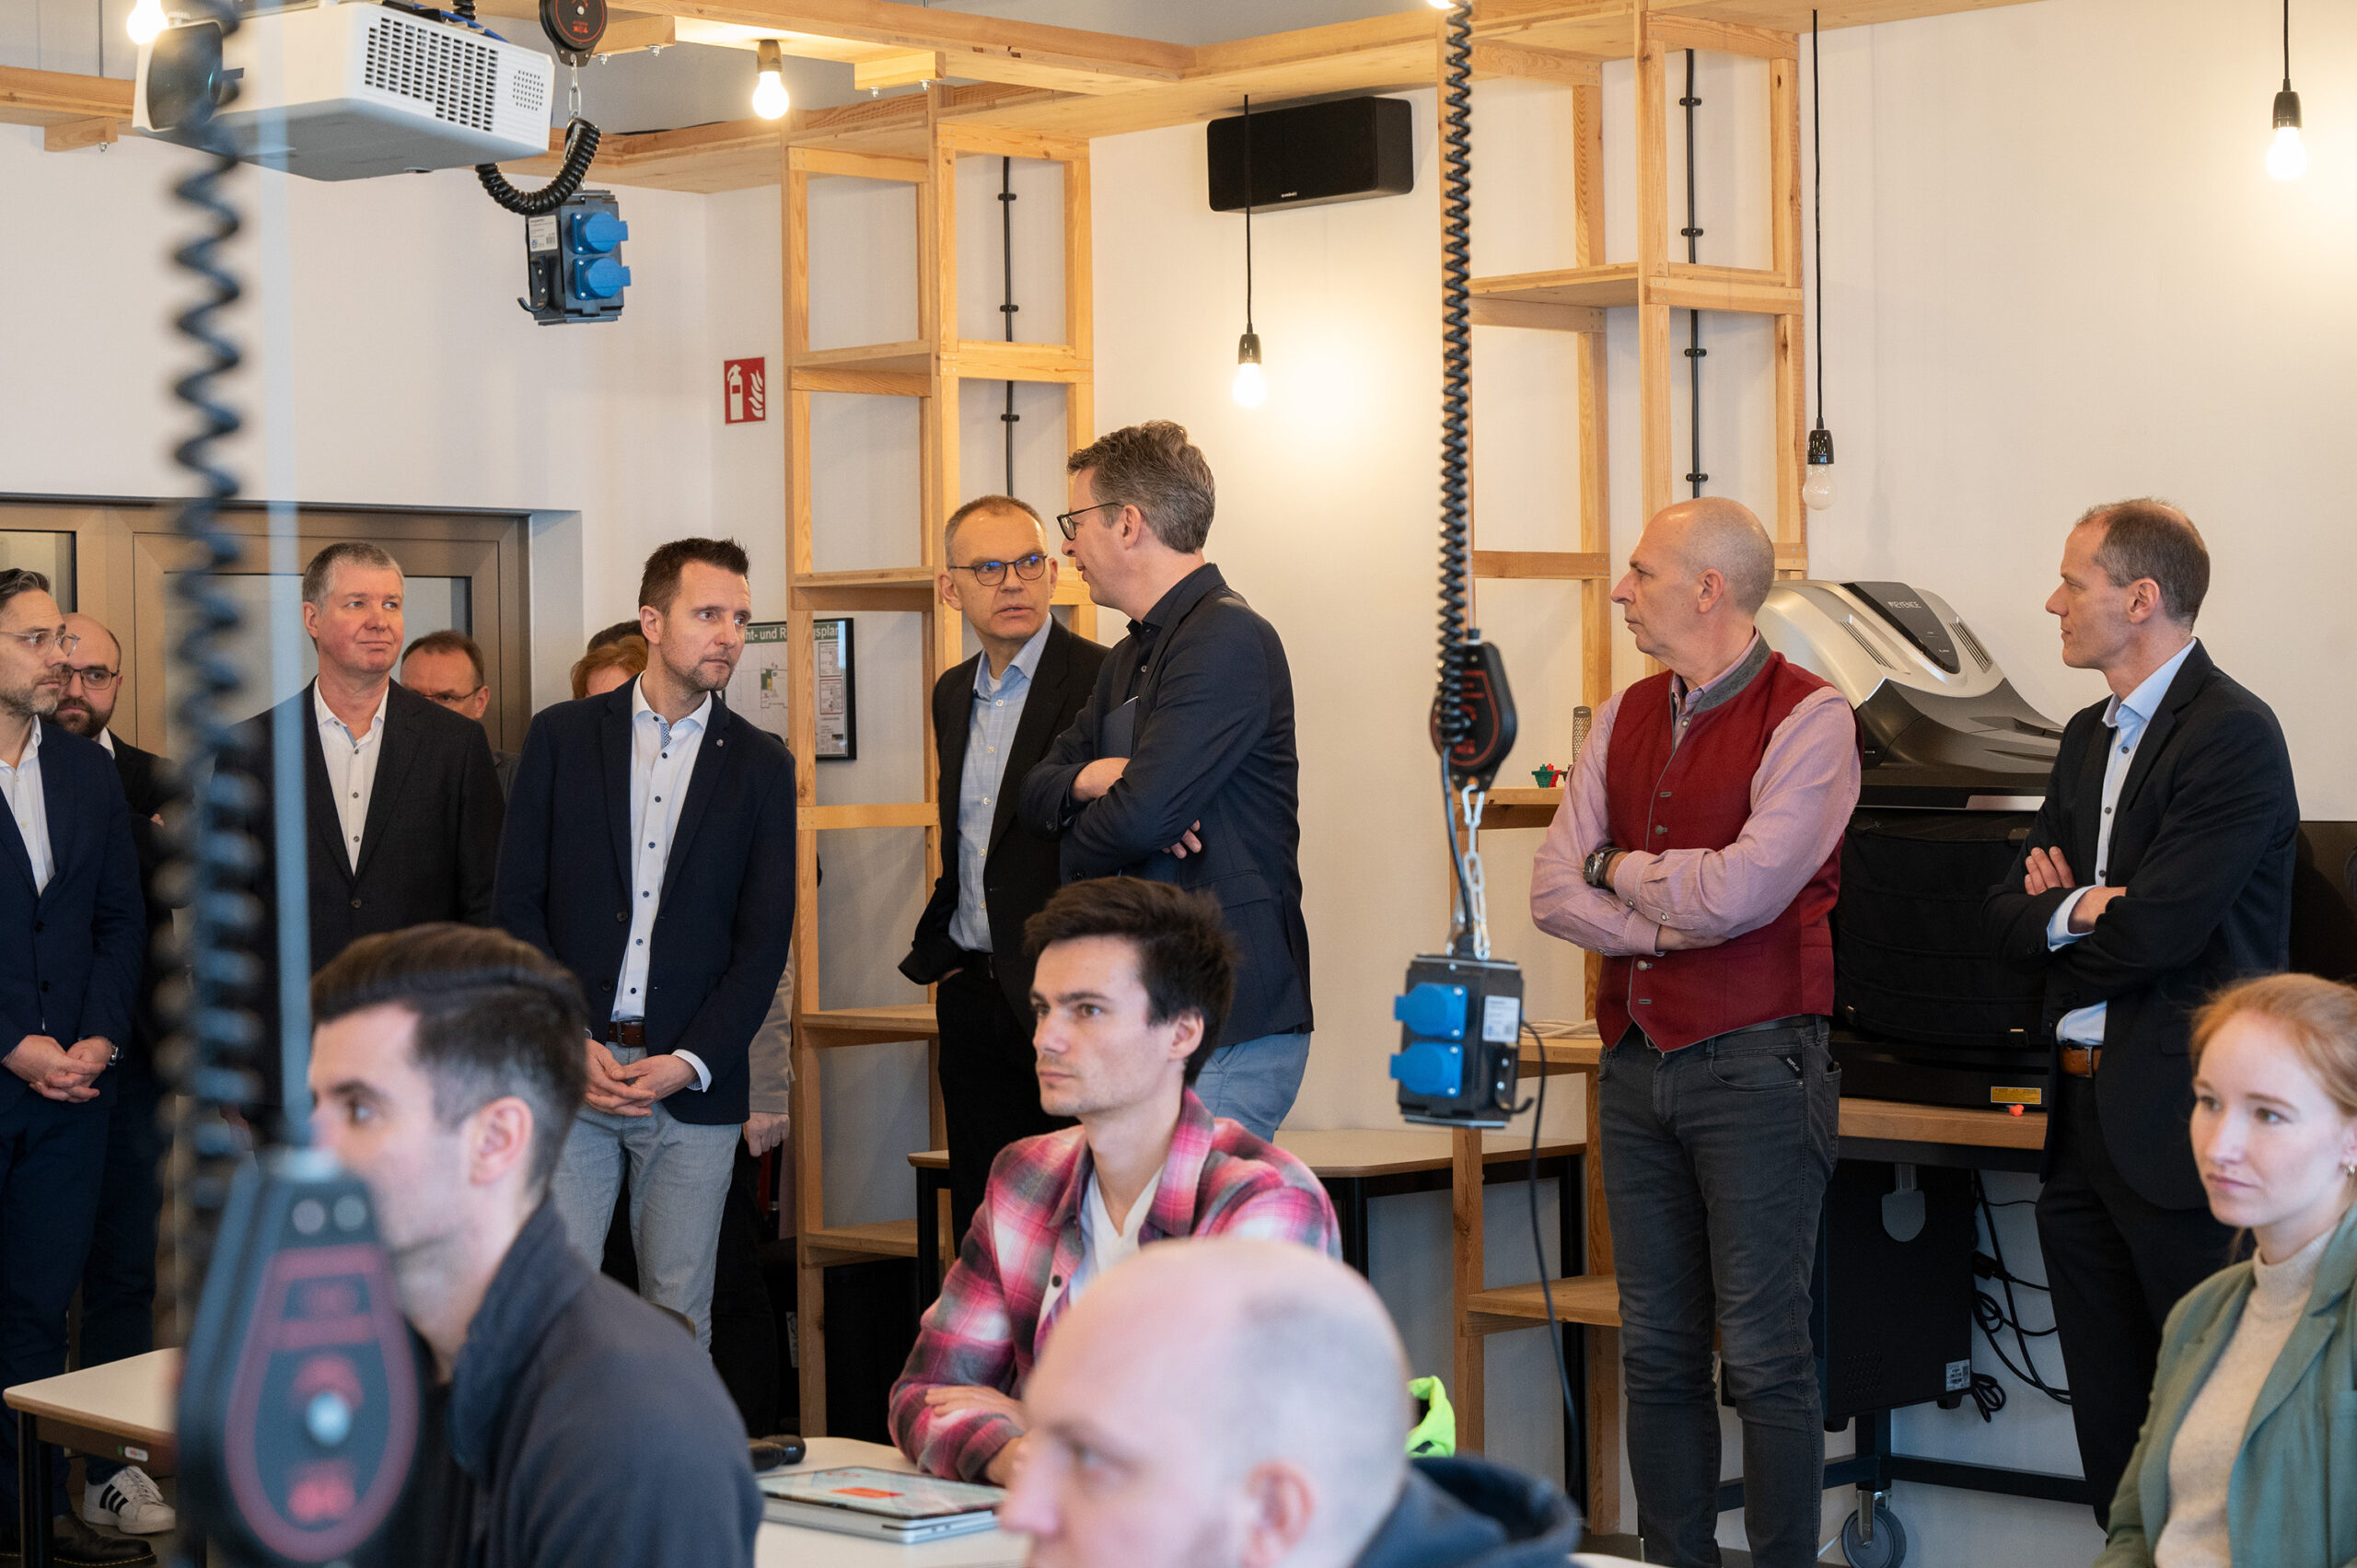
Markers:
point(662, 761)
point(997, 714)
point(352, 766)
point(2129, 717)
point(21, 784)
point(1104, 1241)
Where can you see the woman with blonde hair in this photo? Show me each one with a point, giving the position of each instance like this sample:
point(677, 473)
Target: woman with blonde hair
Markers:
point(2249, 1449)
point(608, 664)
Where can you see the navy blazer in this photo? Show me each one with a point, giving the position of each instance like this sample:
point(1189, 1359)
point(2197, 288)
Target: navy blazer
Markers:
point(725, 921)
point(2204, 840)
point(1211, 739)
point(70, 955)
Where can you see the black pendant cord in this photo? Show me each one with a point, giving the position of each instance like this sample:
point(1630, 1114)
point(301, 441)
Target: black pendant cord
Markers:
point(1248, 172)
point(1816, 199)
point(1693, 233)
point(2287, 45)
point(1010, 419)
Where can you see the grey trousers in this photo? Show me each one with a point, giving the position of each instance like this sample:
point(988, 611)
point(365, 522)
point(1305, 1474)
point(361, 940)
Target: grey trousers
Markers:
point(678, 1180)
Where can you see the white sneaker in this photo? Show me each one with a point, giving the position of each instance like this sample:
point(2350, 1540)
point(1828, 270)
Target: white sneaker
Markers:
point(129, 1501)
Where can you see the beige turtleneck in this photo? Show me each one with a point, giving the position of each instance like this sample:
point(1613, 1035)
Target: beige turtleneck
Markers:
point(2201, 1460)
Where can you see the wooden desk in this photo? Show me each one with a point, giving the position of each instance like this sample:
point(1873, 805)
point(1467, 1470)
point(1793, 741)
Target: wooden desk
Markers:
point(795, 1546)
point(1357, 1166)
point(121, 1410)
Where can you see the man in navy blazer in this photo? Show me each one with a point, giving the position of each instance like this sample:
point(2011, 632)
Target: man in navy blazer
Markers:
point(73, 930)
point(650, 850)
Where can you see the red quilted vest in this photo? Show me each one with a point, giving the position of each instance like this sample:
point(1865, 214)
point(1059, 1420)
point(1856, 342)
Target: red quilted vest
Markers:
point(1699, 797)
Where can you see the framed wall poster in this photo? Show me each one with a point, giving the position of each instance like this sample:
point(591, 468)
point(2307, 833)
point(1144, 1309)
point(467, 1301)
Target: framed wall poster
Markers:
point(759, 688)
point(837, 690)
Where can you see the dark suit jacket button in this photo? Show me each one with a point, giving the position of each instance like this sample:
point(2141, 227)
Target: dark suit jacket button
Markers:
point(45, 985)
point(621, 917)
point(356, 903)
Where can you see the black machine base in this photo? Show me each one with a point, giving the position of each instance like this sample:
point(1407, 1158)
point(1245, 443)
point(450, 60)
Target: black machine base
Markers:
point(1987, 1078)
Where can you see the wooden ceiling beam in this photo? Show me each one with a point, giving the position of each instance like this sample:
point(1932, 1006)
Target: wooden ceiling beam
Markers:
point(56, 97)
point(989, 49)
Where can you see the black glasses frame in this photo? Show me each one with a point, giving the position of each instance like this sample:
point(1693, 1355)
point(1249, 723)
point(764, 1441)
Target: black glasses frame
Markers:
point(1071, 529)
point(991, 574)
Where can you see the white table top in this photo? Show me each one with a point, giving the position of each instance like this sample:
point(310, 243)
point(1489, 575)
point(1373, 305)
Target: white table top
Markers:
point(131, 1399)
point(792, 1546)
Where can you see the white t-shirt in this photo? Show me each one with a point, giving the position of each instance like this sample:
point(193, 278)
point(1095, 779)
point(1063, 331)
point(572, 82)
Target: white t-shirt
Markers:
point(1104, 1243)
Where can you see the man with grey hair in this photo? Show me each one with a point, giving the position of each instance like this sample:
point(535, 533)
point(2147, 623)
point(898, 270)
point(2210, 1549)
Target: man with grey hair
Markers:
point(2174, 798)
point(1698, 849)
point(1226, 1402)
point(1182, 767)
point(401, 803)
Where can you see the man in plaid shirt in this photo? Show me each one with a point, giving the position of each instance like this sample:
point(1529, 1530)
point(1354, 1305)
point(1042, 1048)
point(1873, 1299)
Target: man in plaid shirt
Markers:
point(1134, 979)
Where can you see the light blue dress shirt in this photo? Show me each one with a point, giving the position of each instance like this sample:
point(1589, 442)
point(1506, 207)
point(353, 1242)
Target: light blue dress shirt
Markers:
point(2083, 1025)
point(998, 709)
point(662, 763)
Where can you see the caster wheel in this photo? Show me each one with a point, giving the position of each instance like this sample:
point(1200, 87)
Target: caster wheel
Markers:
point(1890, 1548)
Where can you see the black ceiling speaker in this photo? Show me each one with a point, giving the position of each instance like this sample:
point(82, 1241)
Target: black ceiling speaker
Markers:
point(1318, 153)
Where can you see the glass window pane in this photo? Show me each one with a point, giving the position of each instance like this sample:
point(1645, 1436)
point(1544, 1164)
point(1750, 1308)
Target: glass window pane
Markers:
point(50, 555)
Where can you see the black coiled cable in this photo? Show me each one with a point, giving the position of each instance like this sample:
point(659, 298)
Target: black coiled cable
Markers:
point(580, 147)
point(209, 1057)
point(1457, 368)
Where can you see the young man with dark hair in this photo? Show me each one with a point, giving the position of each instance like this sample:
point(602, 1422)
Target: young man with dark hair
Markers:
point(1132, 980)
point(400, 801)
point(447, 667)
point(993, 716)
point(72, 930)
point(2158, 871)
point(1181, 768)
point(446, 1063)
point(650, 850)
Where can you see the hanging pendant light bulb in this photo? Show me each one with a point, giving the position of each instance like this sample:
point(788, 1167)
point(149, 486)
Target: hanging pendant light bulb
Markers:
point(770, 98)
point(148, 20)
point(1249, 389)
point(1817, 482)
point(1817, 488)
point(2286, 159)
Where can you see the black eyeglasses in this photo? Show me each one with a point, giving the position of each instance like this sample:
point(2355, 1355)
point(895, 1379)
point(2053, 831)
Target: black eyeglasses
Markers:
point(1064, 519)
point(991, 574)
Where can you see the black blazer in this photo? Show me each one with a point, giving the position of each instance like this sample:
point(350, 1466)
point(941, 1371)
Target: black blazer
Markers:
point(1020, 870)
point(725, 921)
point(69, 954)
point(2203, 842)
point(1210, 740)
point(150, 785)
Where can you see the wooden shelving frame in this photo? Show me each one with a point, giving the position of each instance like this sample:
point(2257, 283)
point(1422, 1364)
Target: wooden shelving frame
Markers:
point(929, 368)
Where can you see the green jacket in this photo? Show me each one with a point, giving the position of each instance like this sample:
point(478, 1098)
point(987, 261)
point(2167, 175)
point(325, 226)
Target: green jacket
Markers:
point(2292, 1502)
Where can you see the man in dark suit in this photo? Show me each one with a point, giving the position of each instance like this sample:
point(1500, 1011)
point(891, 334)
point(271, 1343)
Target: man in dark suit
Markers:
point(1181, 768)
point(650, 850)
point(447, 667)
point(2175, 797)
point(71, 934)
point(118, 1281)
point(992, 718)
point(401, 803)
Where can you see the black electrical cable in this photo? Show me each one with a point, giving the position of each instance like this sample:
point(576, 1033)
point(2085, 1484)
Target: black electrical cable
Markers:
point(1990, 1317)
point(1247, 214)
point(1457, 383)
point(580, 149)
point(1816, 200)
point(216, 1033)
point(1539, 1239)
point(1010, 419)
point(1694, 349)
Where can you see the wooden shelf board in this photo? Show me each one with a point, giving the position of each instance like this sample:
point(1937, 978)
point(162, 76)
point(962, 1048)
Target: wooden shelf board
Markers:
point(1542, 565)
point(915, 356)
point(1593, 1300)
point(911, 1021)
point(1598, 287)
point(1347, 1154)
point(1686, 287)
point(887, 1238)
point(59, 97)
point(978, 359)
point(905, 589)
point(896, 814)
point(1900, 1121)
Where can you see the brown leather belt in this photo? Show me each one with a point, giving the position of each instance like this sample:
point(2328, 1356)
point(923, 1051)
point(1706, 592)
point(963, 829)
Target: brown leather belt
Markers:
point(2081, 1061)
point(631, 1031)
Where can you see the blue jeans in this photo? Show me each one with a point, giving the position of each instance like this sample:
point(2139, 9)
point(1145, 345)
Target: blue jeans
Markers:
point(1253, 1082)
point(1715, 1160)
point(680, 1173)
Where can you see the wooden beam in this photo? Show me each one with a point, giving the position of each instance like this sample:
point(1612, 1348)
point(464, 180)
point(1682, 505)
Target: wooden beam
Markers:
point(1543, 565)
point(998, 141)
point(991, 49)
point(1529, 313)
point(867, 383)
point(1536, 64)
point(858, 166)
point(55, 98)
point(907, 68)
point(1724, 38)
point(628, 35)
point(1656, 466)
point(1687, 286)
point(980, 359)
point(69, 135)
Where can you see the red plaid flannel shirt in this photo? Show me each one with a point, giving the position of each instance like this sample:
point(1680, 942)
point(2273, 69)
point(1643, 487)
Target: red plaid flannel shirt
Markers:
point(986, 1330)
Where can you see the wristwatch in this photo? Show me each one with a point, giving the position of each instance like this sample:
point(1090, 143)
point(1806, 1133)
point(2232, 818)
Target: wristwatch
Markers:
point(1596, 870)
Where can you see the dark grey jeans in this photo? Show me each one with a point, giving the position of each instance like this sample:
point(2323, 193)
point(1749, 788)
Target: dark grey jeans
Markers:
point(1715, 1159)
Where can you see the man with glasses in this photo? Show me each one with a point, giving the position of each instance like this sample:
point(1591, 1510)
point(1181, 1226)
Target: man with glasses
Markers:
point(992, 718)
point(447, 668)
point(71, 934)
point(118, 1281)
point(1182, 766)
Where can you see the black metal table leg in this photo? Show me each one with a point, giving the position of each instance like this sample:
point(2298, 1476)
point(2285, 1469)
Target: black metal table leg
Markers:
point(32, 1491)
point(929, 1188)
point(1357, 1250)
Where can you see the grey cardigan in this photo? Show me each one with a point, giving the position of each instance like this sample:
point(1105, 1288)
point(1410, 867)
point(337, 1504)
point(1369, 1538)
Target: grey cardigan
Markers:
point(2292, 1502)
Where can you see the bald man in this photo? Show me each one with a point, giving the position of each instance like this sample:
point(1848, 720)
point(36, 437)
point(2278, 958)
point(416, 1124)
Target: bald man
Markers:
point(1698, 849)
point(1233, 1403)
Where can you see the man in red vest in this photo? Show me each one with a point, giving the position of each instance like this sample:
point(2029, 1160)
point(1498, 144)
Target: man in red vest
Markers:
point(1698, 850)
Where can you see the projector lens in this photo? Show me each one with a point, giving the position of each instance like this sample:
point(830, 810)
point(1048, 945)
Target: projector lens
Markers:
point(184, 76)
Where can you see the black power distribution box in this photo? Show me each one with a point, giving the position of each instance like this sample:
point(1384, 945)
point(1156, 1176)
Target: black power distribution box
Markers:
point(1890, 1310)
point(1460, 1041)
point(573, 260)
point(1307, 156)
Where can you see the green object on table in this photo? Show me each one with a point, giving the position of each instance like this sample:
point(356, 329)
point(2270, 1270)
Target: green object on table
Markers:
point(1434, 1437)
